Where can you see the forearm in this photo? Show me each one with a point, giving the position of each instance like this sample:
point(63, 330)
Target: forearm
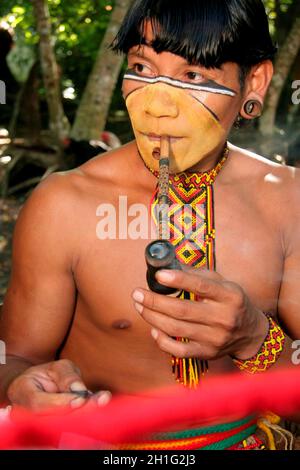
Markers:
point(14, 367)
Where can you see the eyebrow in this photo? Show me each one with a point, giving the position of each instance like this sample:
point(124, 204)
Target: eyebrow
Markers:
point(139, 53)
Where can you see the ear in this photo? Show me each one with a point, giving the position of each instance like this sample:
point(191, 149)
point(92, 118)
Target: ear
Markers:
point(257, 84)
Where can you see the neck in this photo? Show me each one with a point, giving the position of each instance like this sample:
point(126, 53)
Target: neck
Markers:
point(210, 161)
point(204, 165)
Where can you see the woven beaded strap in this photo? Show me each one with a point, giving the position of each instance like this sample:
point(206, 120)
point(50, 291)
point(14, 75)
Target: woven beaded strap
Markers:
point(268, 354)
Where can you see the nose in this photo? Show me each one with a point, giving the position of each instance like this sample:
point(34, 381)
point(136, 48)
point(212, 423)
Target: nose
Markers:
point(160, 103)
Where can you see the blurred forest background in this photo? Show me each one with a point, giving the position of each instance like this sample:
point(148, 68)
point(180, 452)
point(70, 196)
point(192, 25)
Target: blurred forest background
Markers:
point(63, 95)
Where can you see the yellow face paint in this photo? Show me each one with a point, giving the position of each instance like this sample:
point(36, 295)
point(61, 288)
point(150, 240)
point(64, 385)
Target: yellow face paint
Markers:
point(161, 109)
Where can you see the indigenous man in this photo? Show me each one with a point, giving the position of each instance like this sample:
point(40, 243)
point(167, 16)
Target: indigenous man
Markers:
point(80, 301)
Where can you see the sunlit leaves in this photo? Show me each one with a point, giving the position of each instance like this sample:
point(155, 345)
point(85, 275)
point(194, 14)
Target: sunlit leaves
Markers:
point(78, 28)
point(279, 20)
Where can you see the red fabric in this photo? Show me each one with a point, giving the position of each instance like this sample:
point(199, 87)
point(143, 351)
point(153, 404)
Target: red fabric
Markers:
point(128, 418)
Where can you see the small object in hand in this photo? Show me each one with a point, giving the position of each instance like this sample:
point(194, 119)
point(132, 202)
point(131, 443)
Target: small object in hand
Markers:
point(83, 393)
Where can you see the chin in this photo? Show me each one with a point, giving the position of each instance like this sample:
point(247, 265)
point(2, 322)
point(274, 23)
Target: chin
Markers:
point(180, 165)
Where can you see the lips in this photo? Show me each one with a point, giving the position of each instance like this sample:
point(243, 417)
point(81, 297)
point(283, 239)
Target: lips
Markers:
point(157, 138)
point(153, 136)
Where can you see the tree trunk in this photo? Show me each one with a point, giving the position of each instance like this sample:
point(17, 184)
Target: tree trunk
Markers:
point(58, 122)
point(285, 60)
point(92, 112)
point(26, 112)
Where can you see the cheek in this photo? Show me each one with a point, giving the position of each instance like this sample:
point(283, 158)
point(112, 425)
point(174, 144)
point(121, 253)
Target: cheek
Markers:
point(229, 114)
point(131, 91)
point(134, 107)
point(227, 110)
point(196, 120)
point(125, 89)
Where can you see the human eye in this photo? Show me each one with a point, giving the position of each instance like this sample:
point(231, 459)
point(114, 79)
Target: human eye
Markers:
point(142, 69)
point(193, 76)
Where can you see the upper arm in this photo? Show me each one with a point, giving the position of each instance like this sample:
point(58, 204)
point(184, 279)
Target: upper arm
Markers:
point(39, 303)
point(289, 299)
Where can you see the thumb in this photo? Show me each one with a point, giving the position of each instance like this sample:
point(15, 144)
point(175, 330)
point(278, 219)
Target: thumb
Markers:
point(66, 376)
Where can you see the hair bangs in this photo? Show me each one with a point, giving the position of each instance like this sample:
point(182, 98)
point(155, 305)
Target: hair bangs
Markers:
point(204, 32)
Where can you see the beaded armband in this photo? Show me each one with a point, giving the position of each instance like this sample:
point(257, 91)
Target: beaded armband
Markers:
point(268, 354)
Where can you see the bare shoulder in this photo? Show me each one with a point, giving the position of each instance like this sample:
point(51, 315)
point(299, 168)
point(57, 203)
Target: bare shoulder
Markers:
point(64, 190)
point(270, 189)
point(45, 224)
point(266, 176)
point(113, 166)
point(51, 221)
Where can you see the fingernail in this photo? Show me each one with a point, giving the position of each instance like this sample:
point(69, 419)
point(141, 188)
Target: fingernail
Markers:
point(77, 402)
point(138, 296)
point(104, 398)
point(78, 387)
point(139, 307)
point(165, 276)
point(154, 333)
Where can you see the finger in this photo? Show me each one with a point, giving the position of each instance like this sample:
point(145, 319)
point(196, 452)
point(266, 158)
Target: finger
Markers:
point(62, 401)
point(66, 376)
point(194, 282)
point(213, 275)
point(101, 398)
point(174, 327)
point(170, 326)
point(197, 312)
point(177, 348)
point(43, 402)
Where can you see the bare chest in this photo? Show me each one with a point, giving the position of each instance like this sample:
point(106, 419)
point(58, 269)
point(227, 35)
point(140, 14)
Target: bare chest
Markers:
point(111, 261)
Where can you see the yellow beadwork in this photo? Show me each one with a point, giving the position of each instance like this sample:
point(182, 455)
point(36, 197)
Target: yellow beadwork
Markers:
point(268, 354)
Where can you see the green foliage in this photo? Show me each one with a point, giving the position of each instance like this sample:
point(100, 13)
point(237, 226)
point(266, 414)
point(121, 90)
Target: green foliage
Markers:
point(78, 28)
point(281, 14)
point(17, 15)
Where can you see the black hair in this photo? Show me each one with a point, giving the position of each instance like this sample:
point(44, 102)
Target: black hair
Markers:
point(204, 32)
